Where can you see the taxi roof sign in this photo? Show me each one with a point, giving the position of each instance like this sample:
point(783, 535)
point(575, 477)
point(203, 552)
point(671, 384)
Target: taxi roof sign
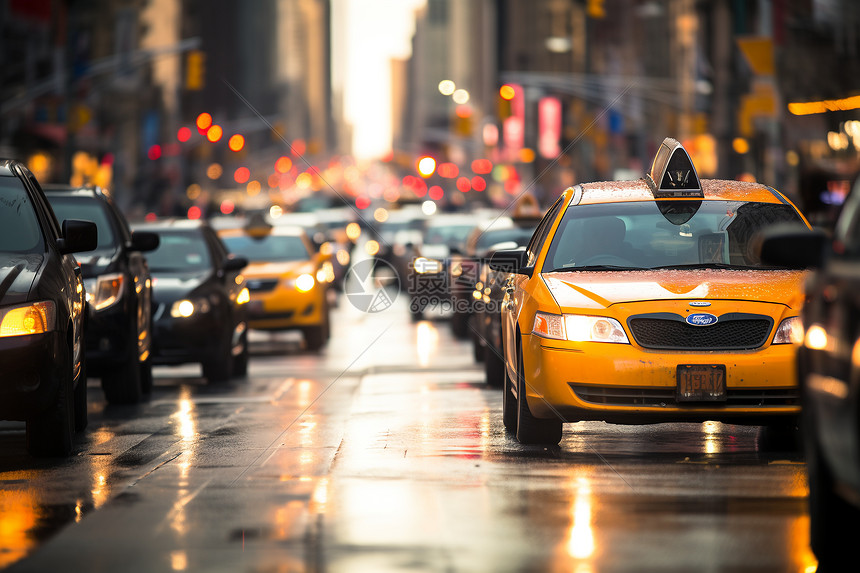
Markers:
point(675, 172)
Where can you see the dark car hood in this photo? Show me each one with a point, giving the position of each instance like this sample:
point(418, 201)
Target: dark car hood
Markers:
point(168, 287)
point(17, 273)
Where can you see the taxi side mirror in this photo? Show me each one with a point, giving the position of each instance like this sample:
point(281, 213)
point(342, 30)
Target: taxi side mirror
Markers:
point(511, 261)
point(792, 246)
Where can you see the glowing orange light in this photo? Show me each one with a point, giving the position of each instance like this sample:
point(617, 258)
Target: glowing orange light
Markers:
point(449, 170)
point(507, 92)
point(436, 193)
point(482, 166)
point(204, 121)
point(463, 111)
point(184, 134)
point(273, 180)
point(807, 108)
point(253, 188)
point(298, 147)
point(236, 142)
point(227, 206)
point(194, 212)
point(242, 175)
point(464, 185)
point(478, 183)
point(214, 133)
point(283, 164)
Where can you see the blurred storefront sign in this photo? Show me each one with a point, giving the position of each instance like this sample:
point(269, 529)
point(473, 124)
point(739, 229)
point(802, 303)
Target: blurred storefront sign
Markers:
point(549, 127)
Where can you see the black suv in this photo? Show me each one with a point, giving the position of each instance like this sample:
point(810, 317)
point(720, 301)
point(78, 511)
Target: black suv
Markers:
point(119, 293)
point(42, 354)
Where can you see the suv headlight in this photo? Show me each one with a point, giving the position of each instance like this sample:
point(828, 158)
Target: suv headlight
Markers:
point(790, 331)
point(189, 307)
point(104, 290)
point(579, 328)
point(34, 318)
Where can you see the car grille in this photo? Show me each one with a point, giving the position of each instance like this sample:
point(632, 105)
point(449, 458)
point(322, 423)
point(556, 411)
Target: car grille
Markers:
point(670, 332)
point(663, 397)
point(261, 285)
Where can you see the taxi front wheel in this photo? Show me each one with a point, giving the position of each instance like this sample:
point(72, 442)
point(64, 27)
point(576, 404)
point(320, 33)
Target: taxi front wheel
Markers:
point(532, 430)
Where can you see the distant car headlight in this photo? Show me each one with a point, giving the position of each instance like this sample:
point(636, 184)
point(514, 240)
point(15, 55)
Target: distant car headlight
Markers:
point(244, 296)
point(305, 282)
point(425, 266)
point(104, 290)
point(579, 328)
point(790, 331)
point(186, 308)
point(34, 318)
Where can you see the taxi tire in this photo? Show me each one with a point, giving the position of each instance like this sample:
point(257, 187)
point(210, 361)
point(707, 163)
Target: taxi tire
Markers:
point(509, 403)
point(146, 380)
point(532, 430)
point(51, 433)
point(315, 337)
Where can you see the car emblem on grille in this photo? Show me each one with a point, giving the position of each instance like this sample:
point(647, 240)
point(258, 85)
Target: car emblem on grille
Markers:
point(702, 319)
point(700, 303)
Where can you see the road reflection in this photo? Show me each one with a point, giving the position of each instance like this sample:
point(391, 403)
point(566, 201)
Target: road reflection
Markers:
point(19, 514)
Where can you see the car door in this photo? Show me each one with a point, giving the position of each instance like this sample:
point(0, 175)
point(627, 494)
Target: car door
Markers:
point(517, 287)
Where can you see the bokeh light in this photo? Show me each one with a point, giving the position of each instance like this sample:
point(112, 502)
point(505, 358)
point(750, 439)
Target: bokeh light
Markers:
point(214, 133)
point(241, 175)
point(447, 87)
point(204, 121)
point(214, 171)
point(236, 142)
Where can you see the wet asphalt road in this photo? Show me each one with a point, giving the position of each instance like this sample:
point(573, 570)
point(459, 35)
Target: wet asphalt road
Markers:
point(386, 452)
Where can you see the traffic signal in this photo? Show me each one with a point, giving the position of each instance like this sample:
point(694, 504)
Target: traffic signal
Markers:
point(195, 70)
point(596, 9)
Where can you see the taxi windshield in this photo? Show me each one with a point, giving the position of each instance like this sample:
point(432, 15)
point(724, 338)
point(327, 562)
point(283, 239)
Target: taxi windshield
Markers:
point(649, 235)
point(269, 248)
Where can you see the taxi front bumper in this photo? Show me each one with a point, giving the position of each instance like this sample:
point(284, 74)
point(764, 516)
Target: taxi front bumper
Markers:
point(624, 383)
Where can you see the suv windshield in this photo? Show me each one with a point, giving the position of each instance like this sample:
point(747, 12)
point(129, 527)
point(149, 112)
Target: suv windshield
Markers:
point(19, 228)
point(179, 252)
point(86, 209)
point(271, 248)
point(663, 234)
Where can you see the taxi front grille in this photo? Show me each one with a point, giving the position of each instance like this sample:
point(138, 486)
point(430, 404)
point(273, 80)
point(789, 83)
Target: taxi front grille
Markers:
point(664, 397)
point(671, 332)
point(261, 285)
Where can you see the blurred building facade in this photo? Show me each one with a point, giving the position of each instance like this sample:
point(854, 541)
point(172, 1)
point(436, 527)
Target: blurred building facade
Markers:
point(97, 91)
point(599, 83)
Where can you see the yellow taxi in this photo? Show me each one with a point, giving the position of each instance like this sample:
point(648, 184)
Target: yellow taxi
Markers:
point(644, 301)
point(287, 278)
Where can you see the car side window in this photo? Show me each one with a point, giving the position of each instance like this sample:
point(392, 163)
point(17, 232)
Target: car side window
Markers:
point(541, 233)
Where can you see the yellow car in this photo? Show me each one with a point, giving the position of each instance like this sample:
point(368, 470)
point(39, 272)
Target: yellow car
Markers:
point(644, 302)
point(288, 280)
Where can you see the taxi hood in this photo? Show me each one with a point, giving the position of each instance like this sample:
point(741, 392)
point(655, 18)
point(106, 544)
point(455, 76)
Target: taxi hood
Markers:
point(602, 289)
point(273, 269)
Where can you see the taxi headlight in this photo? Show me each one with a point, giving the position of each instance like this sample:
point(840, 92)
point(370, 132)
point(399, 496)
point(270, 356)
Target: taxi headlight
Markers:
point(186, 308)
point(790, 331)
point(34, 318)
point(577, 328)
point(104, 291)
point(305, 282)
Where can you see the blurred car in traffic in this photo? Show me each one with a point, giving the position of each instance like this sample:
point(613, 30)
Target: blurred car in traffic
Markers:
point(642, 302)
point(119, 293)
point(485, 323)
point(200, 299)
point(287, 278)
point(828, 364)
point(42, 316)
point(428, 276)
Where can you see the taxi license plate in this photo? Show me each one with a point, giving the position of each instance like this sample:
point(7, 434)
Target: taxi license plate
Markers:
point(701, 383)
